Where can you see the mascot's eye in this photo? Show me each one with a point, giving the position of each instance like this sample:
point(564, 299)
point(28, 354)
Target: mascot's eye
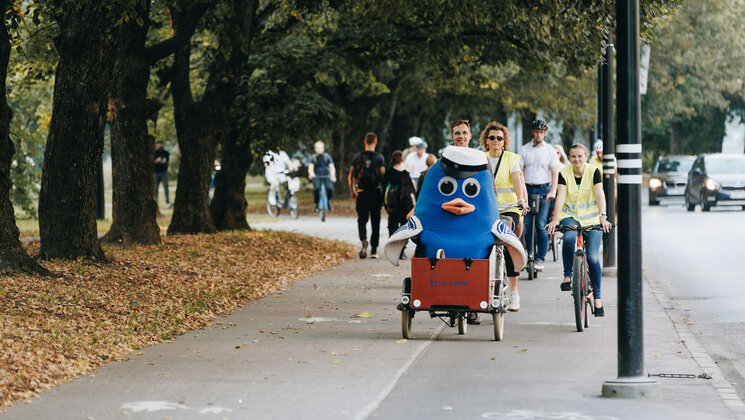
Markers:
point(447, 185)
point(471, 187)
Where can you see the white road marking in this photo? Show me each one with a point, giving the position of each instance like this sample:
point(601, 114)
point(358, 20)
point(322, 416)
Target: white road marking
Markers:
point(314, 320)
point(375, 403)
point(530, 414)
point(153, 406)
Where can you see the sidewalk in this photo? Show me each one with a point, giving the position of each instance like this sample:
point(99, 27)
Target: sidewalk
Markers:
point(330, 348)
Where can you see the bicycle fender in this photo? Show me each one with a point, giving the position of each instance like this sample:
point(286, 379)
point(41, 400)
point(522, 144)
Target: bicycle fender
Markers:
point(398, 240)
point(512, 243)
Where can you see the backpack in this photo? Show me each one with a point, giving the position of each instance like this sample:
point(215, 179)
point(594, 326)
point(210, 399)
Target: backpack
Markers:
point(393, 197)
point(368, 175)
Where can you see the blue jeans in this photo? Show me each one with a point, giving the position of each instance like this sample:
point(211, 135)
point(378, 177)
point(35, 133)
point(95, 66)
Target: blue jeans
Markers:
point(541, 220)
point(592, 250)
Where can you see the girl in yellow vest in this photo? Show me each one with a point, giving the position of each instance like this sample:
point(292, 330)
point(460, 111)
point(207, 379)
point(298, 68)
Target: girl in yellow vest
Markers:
point(580, 202)
point(511, 191)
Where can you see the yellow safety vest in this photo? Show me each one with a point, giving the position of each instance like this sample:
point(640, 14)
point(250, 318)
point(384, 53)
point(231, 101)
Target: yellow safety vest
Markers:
point(596, 162)
point(506, 195)
point(580, 203)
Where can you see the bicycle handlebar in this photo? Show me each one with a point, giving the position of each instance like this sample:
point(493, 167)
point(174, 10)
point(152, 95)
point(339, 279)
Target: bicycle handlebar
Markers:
point(564, 228)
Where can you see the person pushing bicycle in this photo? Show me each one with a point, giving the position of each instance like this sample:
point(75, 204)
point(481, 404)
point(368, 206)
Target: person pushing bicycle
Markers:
point(580, 201)
point(511, 193)
point(321, 170)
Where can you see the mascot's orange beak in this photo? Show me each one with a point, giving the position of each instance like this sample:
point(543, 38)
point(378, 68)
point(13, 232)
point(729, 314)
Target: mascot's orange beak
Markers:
point(458, 207)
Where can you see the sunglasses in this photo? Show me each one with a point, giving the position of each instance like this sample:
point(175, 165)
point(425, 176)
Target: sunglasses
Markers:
point(492, 138)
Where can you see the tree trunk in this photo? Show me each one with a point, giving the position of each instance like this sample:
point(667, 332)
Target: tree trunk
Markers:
point(228, 207)
point(201, 125)
point(72, 159)
point(567, 137)
point(13, 258)
point(197, 153)
point(527, 119)
point(134, 206)
point(675, 146)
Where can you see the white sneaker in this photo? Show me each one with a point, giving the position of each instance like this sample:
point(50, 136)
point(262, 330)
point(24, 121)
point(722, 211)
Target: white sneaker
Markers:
point(374, 255)
point(539, 265)
point(513, 301)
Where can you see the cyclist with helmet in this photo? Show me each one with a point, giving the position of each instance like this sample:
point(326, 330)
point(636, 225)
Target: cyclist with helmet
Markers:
point(540, 166)
point(581, 202)
point(508, 181)
point(597, 159)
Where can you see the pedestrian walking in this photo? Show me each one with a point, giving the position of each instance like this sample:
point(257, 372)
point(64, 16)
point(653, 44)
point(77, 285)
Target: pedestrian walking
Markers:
point(431, 160)
point(540, 166)
point(416, 163)
point(399, 195)
point(161, 171)
point(365, 175)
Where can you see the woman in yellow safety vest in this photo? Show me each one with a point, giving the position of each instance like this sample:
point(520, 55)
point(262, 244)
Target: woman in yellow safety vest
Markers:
point(580, 202)
point(508, 182)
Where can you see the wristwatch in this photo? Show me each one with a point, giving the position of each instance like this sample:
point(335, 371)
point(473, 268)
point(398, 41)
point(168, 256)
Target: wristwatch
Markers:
point(603, 215)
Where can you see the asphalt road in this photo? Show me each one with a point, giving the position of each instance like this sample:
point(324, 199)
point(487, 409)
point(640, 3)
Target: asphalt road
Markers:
point(697, 258)
point(330, 347)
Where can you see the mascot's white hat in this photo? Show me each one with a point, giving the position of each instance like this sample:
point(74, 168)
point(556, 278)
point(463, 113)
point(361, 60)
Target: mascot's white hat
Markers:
point(462, 162)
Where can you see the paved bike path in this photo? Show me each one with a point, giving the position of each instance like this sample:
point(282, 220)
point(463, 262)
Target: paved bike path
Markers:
point(329, 348)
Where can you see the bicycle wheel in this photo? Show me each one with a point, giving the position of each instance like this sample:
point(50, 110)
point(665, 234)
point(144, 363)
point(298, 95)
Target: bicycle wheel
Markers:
point(273, 210)
point(322, 204)
point(555, 245)
point(531, 268)
point(406, 324)
point(578, 288)
point(293, 206)
point(589, 299)
point(462, 323)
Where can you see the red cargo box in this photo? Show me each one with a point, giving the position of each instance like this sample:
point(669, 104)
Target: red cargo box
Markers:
point(450, 284)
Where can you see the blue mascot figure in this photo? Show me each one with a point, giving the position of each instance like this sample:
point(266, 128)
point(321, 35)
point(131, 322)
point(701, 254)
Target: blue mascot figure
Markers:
point(456, 215)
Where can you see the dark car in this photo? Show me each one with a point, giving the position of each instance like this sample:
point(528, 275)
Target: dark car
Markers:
point(669, 177)
point(716, 179)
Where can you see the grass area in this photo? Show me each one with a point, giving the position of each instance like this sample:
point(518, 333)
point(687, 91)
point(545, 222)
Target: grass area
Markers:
point(54, 329)
point(256, 212)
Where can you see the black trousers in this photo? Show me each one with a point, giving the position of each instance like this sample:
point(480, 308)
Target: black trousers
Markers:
point(368, 207)
point(509, 265)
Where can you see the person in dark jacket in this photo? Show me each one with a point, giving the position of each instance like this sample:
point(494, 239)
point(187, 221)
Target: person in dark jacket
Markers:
point(399, 196)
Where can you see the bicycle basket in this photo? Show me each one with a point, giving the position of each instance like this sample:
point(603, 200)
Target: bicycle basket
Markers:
point(294, 184)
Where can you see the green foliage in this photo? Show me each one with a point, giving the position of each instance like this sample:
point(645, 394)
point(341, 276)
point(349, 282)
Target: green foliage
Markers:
point(696, 74)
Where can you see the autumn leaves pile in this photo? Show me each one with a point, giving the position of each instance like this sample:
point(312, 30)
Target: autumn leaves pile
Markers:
point(54, 329)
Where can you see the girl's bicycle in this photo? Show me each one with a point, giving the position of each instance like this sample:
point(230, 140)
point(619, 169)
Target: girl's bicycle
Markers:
point(582, 291)
point(323, 198)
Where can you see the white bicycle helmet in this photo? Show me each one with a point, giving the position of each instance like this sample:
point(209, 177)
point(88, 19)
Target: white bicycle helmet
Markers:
point(598, 147)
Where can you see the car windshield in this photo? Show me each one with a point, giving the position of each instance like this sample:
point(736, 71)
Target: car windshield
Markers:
point(679, 165)
point(726, 165)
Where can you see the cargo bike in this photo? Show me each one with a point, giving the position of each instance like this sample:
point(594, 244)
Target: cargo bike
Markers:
point(450, 289)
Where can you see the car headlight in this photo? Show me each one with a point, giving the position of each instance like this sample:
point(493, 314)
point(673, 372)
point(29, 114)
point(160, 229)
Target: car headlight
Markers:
point(655, 183)
point(711, 184)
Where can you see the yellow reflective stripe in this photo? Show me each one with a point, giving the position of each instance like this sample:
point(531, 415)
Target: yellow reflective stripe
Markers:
point(505, 190)
point(582, 205)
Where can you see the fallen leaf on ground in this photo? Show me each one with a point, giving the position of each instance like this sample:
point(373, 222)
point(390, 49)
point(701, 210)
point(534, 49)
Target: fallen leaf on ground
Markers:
point(363, 315)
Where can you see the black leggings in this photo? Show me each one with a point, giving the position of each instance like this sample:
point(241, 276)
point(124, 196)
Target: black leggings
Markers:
point(512, 220)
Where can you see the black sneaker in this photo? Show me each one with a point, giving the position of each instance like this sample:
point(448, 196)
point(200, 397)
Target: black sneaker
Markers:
point(315, 210)
point(363, 251)
point(599, 312)
point(374, 253)
point(566, 286)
